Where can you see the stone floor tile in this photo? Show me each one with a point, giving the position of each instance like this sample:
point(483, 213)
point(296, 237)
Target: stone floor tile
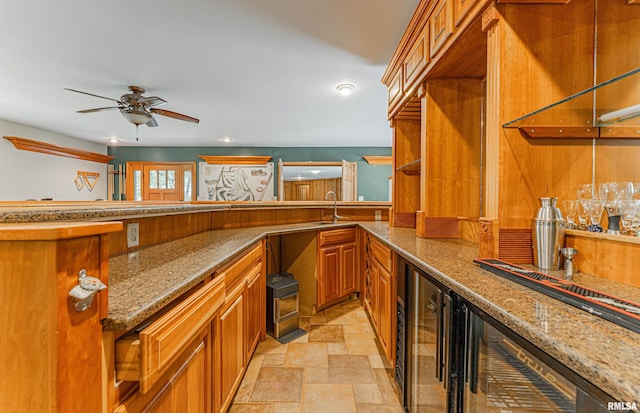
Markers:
point(326, 333)
point(287, 407)
point(348, 368)
point(367, 393)
point(320, 398)
point(388, 391)
point(337, 348)
point(273, 360)
point(316, 375)
point(270, 345)
point(251, 408)
point(307, 355)
point(282, 384)
point(361, 344)
point(381, 408)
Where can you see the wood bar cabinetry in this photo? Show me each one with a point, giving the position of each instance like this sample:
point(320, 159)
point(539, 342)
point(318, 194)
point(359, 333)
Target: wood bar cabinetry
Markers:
point(380, 292)
point(193, 356)
point(336, 264)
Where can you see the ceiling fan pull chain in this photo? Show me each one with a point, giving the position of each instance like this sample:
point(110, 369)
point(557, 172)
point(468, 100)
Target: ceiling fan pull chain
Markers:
point(137, 132)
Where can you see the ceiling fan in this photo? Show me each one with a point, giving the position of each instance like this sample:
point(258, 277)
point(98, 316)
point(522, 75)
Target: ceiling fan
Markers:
point(136, 108)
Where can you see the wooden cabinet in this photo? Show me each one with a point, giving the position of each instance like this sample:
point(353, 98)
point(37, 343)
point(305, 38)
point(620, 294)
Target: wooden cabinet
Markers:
point(231, 347)
point(193, 357)
point(186, 391)
point(256, 296)
point(380, 292)
point(416, 61)
point(440, 25)
point(240, 324)
point(336, 264)
point(395, 90)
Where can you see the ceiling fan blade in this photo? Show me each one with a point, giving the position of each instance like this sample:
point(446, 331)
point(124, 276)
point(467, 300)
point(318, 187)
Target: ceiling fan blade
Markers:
point(90, 94)
point(152, 101)
point(98, 109)
point(152, 122)
point(174, 115)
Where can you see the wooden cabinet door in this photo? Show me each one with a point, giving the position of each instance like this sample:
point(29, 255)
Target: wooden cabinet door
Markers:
point(348, 279)
point(328, 274)
point(187, 391)
point(375, 298)
point(230, 334)
point(256, 296)
point(384, 307)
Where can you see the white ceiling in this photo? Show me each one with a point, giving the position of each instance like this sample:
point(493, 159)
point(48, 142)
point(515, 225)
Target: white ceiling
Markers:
point(262, 72)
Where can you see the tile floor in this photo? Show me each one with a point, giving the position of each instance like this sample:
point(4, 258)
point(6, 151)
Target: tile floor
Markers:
point(336, 366)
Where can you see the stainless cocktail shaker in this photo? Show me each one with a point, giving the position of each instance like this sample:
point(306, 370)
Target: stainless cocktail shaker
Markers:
point(547, 235)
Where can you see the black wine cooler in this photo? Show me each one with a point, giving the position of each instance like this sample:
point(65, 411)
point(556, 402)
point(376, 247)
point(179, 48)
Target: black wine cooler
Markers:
point(452, 357)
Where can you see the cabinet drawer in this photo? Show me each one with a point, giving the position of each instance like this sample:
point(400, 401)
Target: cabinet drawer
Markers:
point(416, 61)
point(336, 236)
point(382, 254)
point(440, 25)
point(147, 356)
point(234, 272)
point(395, 90)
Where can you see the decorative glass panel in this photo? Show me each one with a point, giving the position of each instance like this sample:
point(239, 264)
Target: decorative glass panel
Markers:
point(171, 179)
point(187, 185)
point(153, 179)
point(137, 185)
point(162, 179)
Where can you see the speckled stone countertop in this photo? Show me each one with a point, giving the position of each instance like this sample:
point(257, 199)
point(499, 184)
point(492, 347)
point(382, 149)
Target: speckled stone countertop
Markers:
point(29, 212)
point(46, 211)
point(143, 282)
point(601, 352)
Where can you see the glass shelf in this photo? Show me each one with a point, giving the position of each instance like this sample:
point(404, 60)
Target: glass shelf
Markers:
point(610, 109)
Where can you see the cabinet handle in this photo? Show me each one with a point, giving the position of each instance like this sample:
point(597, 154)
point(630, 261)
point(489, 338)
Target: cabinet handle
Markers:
point(82, 294)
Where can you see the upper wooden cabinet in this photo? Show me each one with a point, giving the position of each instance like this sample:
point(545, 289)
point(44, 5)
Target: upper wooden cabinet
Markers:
point(440, 25)
point(416, 61)
point(395, 90)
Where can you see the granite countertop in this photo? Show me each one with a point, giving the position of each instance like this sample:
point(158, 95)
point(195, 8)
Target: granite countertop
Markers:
point(143, 282)
point(46, 211)
point(26, 212)
point(601, 352)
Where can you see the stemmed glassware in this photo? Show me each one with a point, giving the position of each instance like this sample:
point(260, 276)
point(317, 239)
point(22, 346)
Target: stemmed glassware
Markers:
point(621, 201)
point(570, 207)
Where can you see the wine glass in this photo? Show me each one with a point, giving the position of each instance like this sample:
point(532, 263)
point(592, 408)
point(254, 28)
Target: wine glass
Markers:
point(584, 191)
point(628, 211)
point(596, 206)
point(570, 207)
point(583, 213)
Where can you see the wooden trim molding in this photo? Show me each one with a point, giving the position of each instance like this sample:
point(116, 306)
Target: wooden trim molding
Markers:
point(235, 160)
point(51, 149)
point(377, 160)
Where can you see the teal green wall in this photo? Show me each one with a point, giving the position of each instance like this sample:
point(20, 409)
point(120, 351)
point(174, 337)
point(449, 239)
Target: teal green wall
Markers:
point(373, 182)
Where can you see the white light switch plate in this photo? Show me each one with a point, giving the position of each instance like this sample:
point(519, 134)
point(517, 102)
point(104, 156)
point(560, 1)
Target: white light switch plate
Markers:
point(133, 235)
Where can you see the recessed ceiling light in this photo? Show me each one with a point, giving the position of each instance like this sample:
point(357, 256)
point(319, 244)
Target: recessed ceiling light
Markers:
point(345, 89)
point(113, 140)
point(226, 139)
point(315, 171)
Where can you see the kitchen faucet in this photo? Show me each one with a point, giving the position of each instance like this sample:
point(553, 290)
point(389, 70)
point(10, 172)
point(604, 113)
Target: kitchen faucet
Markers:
point(335, 217)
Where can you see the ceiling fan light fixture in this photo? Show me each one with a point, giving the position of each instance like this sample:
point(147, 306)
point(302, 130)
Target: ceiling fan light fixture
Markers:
point(345, 89)
point(137, 117)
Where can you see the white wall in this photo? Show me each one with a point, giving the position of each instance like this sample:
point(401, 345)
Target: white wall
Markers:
point(31, 175)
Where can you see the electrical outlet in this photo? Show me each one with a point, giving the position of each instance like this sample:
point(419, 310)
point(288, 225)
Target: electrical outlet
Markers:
point(133, 235)
point(378, 215)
